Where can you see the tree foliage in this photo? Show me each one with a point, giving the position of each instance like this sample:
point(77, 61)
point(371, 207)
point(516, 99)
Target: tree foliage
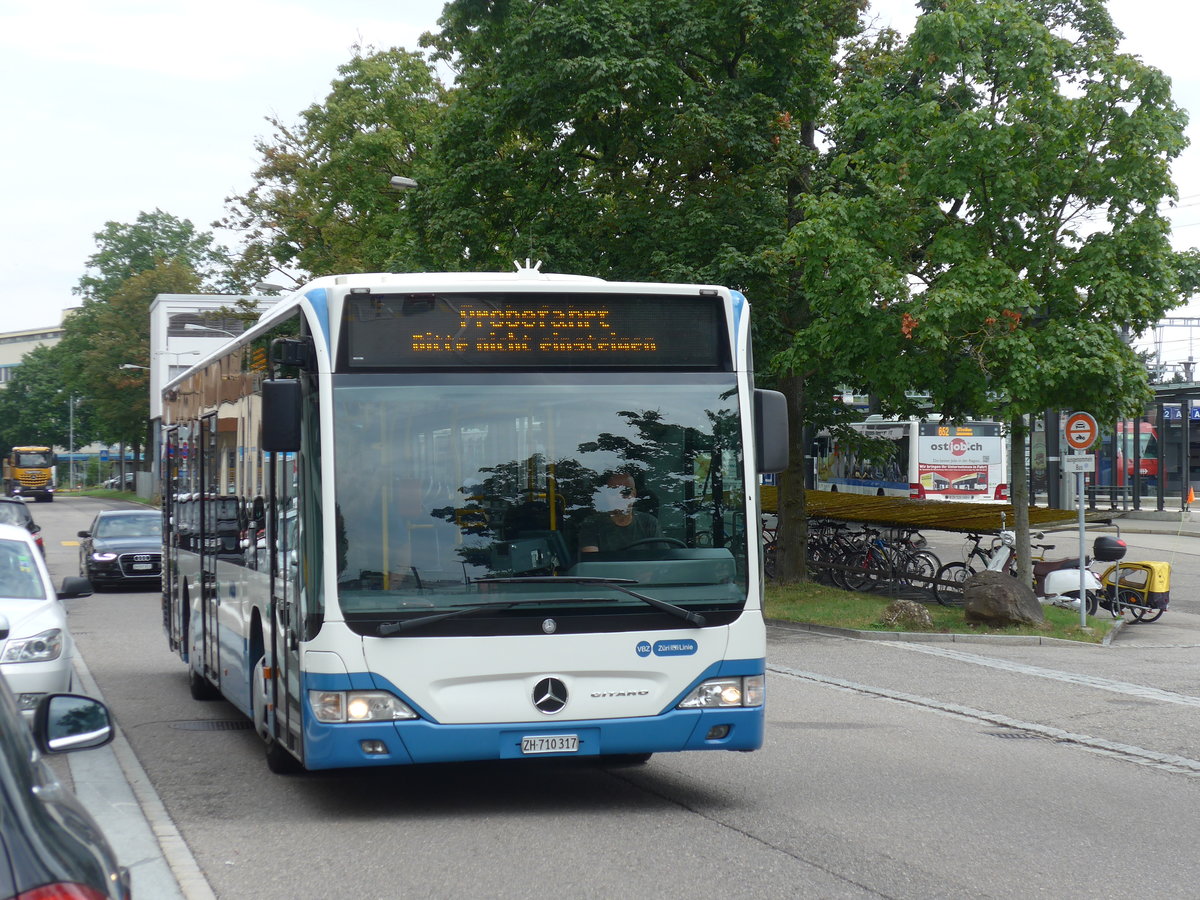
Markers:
point(991, 204)
point(127, 249)
point(104, 335)
point(322, 200)
point(639, 139)
point(35, 404)
point(1021, 164)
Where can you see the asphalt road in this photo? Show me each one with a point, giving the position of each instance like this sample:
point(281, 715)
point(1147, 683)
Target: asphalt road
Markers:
point(891, 769)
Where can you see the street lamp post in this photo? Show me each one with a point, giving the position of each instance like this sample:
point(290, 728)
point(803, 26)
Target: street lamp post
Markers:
point(71, 438)
point(192, 326)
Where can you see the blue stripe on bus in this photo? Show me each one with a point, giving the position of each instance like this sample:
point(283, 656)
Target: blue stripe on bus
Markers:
point(426, 741)
point(320, 304)
point(739, 307)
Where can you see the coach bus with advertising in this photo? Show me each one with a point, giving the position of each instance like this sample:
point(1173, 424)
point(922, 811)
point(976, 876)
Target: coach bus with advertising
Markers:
point(432, 517)
point(921, 459)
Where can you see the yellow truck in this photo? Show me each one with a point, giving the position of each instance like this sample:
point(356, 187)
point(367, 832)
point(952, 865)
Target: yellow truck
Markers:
point(30, 472)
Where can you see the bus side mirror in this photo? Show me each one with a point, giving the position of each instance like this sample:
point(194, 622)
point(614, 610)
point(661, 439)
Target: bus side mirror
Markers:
point(281, 415)
point(771, 430)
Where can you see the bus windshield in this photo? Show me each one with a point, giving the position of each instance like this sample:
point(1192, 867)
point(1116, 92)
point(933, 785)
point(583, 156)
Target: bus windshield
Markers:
point(459, 490)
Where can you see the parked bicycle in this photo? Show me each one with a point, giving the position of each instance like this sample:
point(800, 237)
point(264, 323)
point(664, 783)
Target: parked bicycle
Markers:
point(976, 559)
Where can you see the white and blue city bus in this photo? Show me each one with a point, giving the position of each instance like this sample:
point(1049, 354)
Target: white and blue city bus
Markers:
point(383, 503)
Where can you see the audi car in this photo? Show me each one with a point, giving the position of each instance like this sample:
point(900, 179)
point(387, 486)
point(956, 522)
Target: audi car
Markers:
point(123, 548)
point(37, 653)
point(49, 845)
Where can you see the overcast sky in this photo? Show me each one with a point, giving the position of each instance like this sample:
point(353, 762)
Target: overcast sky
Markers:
point(122, 106)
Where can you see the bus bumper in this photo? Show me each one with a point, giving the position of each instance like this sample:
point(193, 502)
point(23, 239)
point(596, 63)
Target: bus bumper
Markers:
point(420, 741)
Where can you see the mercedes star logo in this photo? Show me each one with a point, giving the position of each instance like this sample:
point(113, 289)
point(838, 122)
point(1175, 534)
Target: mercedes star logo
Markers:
point(550, 695)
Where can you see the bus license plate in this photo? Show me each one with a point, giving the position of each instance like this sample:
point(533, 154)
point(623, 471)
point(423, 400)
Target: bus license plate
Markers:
point(550, 743)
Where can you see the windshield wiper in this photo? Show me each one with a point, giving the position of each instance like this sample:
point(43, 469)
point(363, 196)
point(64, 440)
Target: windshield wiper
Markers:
point(387, 628)
point(617, 584)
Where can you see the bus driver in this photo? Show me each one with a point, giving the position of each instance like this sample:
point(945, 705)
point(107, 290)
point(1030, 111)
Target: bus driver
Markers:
point(616, 524)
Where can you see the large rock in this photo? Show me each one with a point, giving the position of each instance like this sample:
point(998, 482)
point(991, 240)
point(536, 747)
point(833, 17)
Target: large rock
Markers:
point(998, 599)
point(906, 614)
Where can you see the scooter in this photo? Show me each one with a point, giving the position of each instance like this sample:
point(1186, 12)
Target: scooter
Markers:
point(1057, 581)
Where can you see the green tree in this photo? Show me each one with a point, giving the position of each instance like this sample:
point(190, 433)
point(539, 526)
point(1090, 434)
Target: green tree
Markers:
point(34, 406)
point(991, 204)
point(322, 200)
point(641, 139)
point(104, 335)
point(127, 249)
point(158, 253)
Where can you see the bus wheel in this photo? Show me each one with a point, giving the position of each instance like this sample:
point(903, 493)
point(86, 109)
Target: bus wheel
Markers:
point(201, 688)
point(279, 761)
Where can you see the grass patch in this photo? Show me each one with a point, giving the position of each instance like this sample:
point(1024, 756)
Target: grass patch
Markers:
point(818, 604)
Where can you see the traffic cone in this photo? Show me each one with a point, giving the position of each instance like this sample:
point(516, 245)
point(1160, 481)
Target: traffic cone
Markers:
point(1191, 496)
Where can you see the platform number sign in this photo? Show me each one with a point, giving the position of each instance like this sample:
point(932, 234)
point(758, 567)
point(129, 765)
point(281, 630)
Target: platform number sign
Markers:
point(1081, 431)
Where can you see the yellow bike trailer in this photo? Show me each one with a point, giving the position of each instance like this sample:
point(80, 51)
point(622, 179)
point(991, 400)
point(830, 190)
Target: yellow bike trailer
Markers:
point(1144, 590)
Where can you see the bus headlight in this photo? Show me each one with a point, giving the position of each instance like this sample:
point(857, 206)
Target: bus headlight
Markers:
point(722, 693)
point(358, 706)
point(40, 648)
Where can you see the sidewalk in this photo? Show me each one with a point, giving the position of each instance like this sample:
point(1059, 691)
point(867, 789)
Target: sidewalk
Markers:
point(112, 785)
point(1185, 523)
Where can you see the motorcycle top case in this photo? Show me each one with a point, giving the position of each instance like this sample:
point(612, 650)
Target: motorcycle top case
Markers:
point(1108, 549)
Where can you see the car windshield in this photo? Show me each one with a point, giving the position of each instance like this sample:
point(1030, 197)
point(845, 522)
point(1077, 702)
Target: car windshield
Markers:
point(148, 525)
point(443, 487)
point(19, 575)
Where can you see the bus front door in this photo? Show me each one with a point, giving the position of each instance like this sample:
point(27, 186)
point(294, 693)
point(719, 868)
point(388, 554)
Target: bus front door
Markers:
point(174, 618)
point(210, 598)
point(283, 651)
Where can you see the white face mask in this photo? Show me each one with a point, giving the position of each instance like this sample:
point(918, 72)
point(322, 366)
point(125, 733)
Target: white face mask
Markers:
point(613, 499)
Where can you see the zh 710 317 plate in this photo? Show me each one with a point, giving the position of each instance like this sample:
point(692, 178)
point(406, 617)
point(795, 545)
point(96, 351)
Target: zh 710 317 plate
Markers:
point(550, 743)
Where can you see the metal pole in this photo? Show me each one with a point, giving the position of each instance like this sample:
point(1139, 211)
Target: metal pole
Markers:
point(71, 437)
point(1185, 461)
point(1082, 558)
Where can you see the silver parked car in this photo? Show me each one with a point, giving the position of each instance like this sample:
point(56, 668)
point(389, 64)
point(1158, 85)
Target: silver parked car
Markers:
point(37, 655)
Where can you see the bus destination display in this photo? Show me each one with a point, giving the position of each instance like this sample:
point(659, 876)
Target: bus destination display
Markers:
point(965, 430)
point(532, 330)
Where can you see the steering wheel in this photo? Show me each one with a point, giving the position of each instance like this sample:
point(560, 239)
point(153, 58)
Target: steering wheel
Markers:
point(656, 540)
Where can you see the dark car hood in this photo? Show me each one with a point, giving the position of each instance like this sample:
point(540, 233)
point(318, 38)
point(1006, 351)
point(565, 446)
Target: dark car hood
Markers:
point(127, 545)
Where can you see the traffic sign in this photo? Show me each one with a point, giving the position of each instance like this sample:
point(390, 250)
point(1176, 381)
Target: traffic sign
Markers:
point(1081, 430)
point(1082, 462)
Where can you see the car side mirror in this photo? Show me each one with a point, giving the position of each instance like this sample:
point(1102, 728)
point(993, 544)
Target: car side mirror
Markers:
point(74, 586)
point(85, 534)
point(67, 722)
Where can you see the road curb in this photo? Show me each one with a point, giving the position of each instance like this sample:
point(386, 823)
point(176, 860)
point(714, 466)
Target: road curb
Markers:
point(1026, 640)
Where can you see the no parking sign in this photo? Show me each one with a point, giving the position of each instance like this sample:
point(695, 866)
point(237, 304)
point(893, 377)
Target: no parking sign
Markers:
point(1081, 430)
